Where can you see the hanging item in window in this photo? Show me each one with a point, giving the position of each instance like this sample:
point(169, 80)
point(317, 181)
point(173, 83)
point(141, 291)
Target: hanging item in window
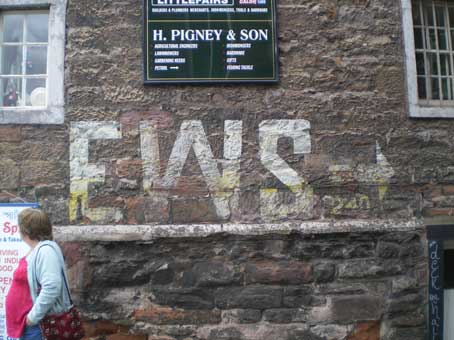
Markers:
point(11, 97)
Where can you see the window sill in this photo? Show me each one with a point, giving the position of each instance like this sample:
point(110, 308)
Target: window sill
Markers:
point(418, 111)
point(50, 115)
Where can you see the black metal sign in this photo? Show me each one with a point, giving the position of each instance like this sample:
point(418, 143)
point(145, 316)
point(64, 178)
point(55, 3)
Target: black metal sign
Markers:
point(210, 41)
point(436, 289)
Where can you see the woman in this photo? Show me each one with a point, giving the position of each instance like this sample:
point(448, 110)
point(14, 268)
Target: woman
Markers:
point(38, 286)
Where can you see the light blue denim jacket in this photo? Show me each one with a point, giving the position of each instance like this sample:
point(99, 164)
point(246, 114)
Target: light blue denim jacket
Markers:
point(53, 296)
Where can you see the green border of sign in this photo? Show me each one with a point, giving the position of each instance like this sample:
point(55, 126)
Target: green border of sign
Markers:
point(154, 81)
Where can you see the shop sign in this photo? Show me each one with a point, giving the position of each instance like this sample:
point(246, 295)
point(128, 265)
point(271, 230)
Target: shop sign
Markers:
point(12, 248)
point(210, 41)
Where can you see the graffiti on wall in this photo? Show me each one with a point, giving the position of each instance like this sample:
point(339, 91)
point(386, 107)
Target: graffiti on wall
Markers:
point(221, 176)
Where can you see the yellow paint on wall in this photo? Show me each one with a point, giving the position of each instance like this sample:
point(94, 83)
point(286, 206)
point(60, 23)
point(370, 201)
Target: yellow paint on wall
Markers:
point(74, 199)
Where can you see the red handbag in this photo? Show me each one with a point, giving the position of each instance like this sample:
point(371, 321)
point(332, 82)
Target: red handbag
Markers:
point(62, 326)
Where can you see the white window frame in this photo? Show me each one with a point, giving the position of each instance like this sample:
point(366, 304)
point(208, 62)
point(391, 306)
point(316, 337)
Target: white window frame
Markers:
point(417, 108)
point(54, 112)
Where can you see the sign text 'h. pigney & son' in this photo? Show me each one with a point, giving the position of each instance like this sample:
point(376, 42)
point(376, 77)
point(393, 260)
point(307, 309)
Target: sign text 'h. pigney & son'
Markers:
point(210, 41)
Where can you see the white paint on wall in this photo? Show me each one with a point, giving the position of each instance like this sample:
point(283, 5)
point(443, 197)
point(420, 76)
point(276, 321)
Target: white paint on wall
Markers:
point(378, 174)
point(149, 146)
point(300, 200)
point(270, 131)
point(222, 176)
point(222, 187)
point(82, 173)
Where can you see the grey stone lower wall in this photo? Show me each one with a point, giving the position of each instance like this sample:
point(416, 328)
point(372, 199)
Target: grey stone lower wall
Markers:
point(345, 285)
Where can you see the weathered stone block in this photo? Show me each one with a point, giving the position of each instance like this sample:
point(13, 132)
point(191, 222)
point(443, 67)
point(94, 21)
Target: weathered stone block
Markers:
point(324, 272)
point(356, 308)
point(227, 333)
point(160, 337)
point(406, 334)
point(42, 172)
point(448, 189)
point(366, 331)
point(250, 297)
point(297, 297)
point(210, 274)
point(409, 302)
point(120, 336)
point(188, 298)
point(388, 250)
point(142, 210)
point(280, 315)
point(164, 275)
point(241, 316)
point(337, 250)
point(10, 134)
point(164, 316)
point(282, 272)
point(333, 332)
point(409, 319)
point(121, 273)
point(101, 327)
point(128, 168)
point(10, 174)
point(434, 212)
point(368, 268)
point(403, 284)
point(193, 210)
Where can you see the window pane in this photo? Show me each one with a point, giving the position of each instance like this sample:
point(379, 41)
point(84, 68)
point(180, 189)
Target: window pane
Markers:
point(432, 64)
point(420, 64)
point(37, 27)
point(451, 16)
point(36, 60)
point(418, 38)
point(13, 28)
point(422, 88)
point(440, 16)
point(432, 40)
point(36, 92)
point(11, 88)
point(11, 60)
point(435, 88)
point(445, 65)
point(447, 94)
point(429, 15)
point(442, 43)
point(416, 14)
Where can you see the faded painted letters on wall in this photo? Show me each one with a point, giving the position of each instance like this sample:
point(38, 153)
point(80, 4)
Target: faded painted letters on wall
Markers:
point(221, 176)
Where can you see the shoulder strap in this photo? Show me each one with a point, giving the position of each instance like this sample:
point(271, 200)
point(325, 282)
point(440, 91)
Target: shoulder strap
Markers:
point(62, 272)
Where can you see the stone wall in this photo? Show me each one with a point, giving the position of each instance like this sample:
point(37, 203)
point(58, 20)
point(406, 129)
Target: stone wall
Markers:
point(349, 286)
point(331, 141)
